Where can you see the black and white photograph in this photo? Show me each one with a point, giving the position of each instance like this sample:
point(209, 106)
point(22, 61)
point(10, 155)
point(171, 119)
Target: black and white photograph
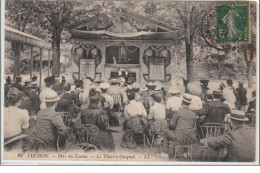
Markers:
point(125, 82)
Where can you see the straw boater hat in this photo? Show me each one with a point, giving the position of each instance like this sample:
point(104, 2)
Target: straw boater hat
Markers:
point(187, 98)
point(135, 85)
point(143, 88)
point(174, 90)
point(150, 85)
point(217, 93)
point(104, 85)
point(51, 96)
point(158, 84)
point(238, 115)
point(121, 80)
point(114, 81)
point(157, 88)
point(27, 82)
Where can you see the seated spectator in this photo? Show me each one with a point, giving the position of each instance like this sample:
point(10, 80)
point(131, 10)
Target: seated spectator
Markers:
point(240, 141)
point(49, 124)
point(212, 114)
point(157, 116)
point(174, 102)
point(195, 90)
point(144, 93)
point(94, 114)
point(15, 119)
point(181, 128)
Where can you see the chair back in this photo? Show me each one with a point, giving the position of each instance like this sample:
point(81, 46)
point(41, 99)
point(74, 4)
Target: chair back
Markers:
point(158, 126)
point(33, 144)
point(135, 125)
point(34, 106)
point(74, 111)
point(117, 99)
point(87, 133)
point(209, 130)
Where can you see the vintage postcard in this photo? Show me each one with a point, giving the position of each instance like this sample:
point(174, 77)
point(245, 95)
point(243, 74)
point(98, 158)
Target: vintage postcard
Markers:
point(129, 82)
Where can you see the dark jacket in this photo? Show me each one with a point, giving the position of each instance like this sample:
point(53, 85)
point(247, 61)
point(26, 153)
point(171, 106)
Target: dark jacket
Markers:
point(240, 144)
point(242, 96)
point(215, 112)
point(49, 125)
point(17, 85)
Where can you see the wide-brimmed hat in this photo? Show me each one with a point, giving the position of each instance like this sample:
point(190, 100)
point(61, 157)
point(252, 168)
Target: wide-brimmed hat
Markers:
point(157, 88)
point(158, 84)
point(51, 96)
point(114, 81)
point(121, 80)
point(136, 85)
point(143, 88)
point(14, 95)
point(174, 90)
point(104, 85)
point(238, 115)
point(187, 98)
point(217, 93)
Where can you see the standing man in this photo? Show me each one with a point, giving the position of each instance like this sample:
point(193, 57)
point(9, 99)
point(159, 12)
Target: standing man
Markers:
point(242, 97)
point(240, 140)
point(17, 84)
point(49, 81)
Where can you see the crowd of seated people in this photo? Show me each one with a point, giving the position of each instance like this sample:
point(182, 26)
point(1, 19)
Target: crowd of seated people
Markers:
point(173, 115)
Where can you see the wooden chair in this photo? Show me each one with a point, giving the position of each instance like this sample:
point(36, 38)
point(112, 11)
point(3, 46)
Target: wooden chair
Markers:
point(34, 107)
point(210, 130)
point(87, 133)
point(32, 144)
point(157, 129)
point(185, 146)
point(135, 126)
point(252, 119)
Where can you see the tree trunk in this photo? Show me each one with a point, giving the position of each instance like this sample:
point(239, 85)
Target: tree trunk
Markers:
point(189, 62)
point(250, 70)
point(56, 35)
point(17, 54)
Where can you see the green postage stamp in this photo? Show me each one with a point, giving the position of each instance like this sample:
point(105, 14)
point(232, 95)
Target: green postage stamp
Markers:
point(233, 21)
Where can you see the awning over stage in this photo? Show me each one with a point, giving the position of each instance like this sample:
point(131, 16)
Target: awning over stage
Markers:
point(143, 35)
point(24, 38)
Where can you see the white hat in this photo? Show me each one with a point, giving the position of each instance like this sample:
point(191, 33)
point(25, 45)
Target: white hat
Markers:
point(174, 90)
point(51, 96)
point(121, 80)
point(143, 88)
point(129, 87)
point(187, 98)
point(158, 84)
point(104, 85)
point(157, 88)
point(238, 115)
point(135, 85)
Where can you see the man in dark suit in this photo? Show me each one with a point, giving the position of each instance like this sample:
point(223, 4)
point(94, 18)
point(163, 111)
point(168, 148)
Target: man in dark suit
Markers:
point(17, 83)
point(240, 140)
point(242, 99)
point(215, 111)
